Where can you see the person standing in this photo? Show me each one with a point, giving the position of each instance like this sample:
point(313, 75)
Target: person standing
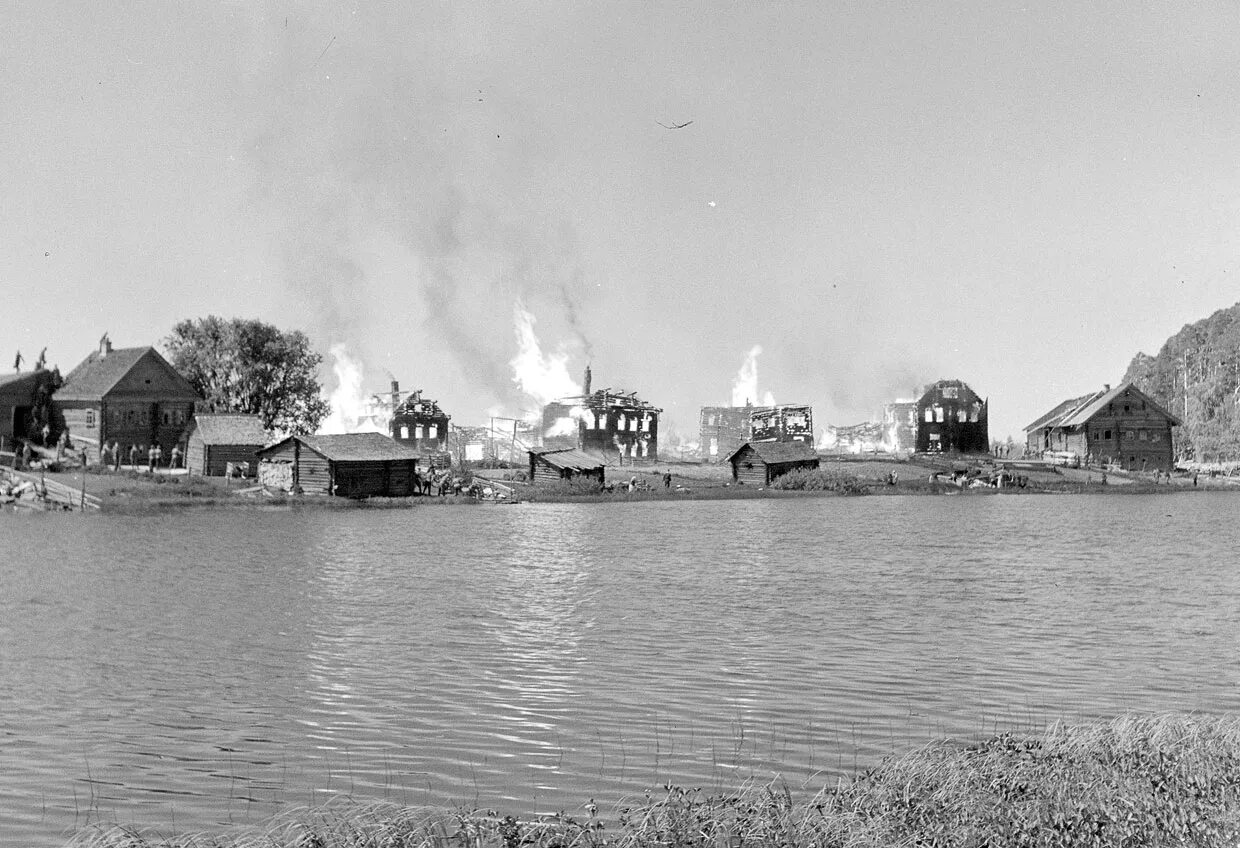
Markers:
point(667, 479)
point(175, 458)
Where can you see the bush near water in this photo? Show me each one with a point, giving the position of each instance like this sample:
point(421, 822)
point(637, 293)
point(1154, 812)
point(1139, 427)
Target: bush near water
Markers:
point(1135, 781)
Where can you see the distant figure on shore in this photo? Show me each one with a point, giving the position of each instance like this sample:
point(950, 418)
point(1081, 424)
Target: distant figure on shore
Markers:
point(159, 455)
point(633, 483)
point(61, 444)
point(150, 459)
point(133, 456)
point(174, 461)
point(667, 479)
point(41, 362)
point(47, 432)
point(116, 456)
point(17, 362)
point(1194, 478)
point(26, 454)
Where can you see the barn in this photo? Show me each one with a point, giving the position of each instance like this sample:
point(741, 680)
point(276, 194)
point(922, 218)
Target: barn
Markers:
point(215, 440)
point(352, 465)
point(758, 463)
point(565, 464)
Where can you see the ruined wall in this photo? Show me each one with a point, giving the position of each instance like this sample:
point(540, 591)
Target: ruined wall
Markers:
point(784, 423)
point(723, 429)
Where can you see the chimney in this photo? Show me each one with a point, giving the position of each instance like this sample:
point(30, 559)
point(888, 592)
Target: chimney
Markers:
point(1106, 387)
point(585, 388)
point(105, 346)
point(395, 390)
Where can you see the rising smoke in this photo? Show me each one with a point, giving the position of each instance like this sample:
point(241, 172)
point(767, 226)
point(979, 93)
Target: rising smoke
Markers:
point(745, 386)
point(403, 224)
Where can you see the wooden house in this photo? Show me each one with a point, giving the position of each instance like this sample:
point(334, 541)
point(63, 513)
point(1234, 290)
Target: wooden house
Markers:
point(564, 464)
point(25, 406)
point(351, 465)
point(758, 463)
point(131, 395)
point(216, 440)
point(1121, 425)
point(952, 418)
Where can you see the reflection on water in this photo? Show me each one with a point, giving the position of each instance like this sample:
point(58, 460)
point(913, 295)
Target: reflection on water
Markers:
point(201, 670)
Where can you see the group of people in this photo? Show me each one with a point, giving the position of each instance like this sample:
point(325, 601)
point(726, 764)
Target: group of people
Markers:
point(110, 455)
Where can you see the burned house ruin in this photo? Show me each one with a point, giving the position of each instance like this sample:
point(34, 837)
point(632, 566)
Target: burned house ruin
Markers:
point(783, 423)
point(723, 429)
point(604, 422)
point(419, 423)
point(952, 418)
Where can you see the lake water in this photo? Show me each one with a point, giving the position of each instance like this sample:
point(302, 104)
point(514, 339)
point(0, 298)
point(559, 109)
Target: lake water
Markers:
point(200, 670)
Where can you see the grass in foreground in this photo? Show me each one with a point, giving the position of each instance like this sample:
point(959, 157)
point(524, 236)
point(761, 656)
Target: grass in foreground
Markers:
point(1135, 781)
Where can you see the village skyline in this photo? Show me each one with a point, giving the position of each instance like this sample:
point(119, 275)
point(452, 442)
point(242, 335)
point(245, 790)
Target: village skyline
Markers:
point(1020, 198)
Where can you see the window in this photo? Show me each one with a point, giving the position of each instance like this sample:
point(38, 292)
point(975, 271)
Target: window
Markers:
point(1125, 407)
point(951, 392)
point(938, 414)
point(167, 417)
point(1129, 434)
point(1155, 436)
point(404, 431)
point(714, 445)
point(1106, 434)
point(432, 432)
point(1142, 435)
point(90, 418)
point(929, 414)
point(129, 416)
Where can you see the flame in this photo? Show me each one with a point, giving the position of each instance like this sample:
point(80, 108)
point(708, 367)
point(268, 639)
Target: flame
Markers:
point(567, 425)
point(543, 377)
point(745, 386)
point(352, 410)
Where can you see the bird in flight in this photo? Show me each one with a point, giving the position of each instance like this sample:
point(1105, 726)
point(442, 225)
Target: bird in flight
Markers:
point(673, 126)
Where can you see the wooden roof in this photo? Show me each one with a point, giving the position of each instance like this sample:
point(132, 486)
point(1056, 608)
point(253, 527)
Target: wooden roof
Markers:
point(1078, 411)
point(775, 453)
point(98, 375)
point(230, 429)
point(352, 447)
point(569, 459)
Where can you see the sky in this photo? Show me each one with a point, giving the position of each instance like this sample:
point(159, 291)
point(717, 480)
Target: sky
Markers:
point(879, 195)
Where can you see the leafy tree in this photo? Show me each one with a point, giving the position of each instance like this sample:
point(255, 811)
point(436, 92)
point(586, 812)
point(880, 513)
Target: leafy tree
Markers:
point(1196, 377)
point(254, 368)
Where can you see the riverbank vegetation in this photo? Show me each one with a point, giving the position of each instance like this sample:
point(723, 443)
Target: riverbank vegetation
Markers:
point(1134, 781)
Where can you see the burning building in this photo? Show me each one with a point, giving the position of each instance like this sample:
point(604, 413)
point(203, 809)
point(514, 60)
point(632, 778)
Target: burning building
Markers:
point(726, 428)
point(783, 423)
point(419, 423)
point(952, 418)
point(900, 426)
point(604, 422)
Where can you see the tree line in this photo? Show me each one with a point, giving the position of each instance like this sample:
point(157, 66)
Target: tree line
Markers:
point(1196, 377)
point(247, 366)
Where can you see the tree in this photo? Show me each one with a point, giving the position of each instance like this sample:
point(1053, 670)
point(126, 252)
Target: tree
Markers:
point(250, 367)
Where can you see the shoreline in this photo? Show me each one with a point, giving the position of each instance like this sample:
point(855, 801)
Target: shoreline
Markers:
point(135, 491)
point(1135, 780)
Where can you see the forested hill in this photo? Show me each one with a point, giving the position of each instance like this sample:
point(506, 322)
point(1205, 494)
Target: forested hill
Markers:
point(1196, 377)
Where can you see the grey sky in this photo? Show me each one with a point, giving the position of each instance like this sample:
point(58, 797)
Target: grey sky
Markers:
point(1018, 195)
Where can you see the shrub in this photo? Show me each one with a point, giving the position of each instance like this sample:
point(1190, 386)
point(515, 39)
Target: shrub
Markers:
point(818, 480)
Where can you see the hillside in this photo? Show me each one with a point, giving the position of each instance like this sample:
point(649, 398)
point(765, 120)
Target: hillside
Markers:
point(1196, 376)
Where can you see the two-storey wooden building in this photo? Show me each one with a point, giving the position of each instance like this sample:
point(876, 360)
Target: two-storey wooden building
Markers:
point(131, 396)
point(1121, 425)
point(952, 418)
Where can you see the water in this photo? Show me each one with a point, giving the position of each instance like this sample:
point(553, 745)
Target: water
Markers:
point(201, 670)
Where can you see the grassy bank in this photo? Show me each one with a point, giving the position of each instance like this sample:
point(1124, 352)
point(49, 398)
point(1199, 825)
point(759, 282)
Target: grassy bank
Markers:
point(1135, 781)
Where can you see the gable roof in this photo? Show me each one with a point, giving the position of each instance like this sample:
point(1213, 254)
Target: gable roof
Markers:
point(352, 447)
point(98, 375)
point(1052, 418)
point(11, 380)
point(1078, 411)
point(569, 459)
point(774, 453)
point(230, 429)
